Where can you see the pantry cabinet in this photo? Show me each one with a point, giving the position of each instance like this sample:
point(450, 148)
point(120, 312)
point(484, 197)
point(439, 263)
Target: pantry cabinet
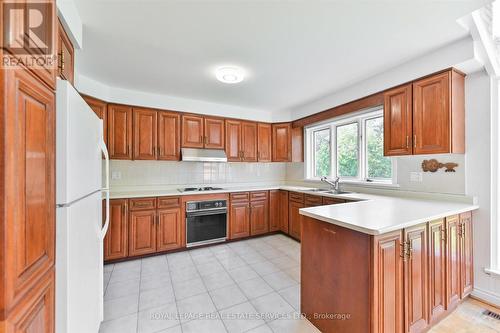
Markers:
point(120, 132)
point(202, 132)
point(426, 116)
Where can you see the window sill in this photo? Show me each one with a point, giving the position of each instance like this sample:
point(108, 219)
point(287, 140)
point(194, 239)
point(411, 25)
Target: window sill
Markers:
point(360, 183)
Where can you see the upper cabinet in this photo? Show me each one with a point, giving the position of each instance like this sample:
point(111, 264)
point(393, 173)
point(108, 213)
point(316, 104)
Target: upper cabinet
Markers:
point(65, 54)
point(287, 143)
point(241, 141)
point(249, 141)
point(145, 145)
point(426, 116)
point(264, 142)
point(233, 140)
point(120, 132)
point(169, 136)
point(202, 132)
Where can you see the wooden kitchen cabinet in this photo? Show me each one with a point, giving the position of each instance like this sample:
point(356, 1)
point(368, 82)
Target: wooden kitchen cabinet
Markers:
point(169, 233)
point(116, 239)
point(233, 140)
point(264, 142)
point(169, 136)
point(437, 270)
point(274, 210)
point(100, 108)
point(284, 211)
point(453, 280)
point(120, 132)
point(466, 261)
point(332, 201)
point(142, 232)
point(214, 133)
point(398, 128)
point(259, 213)
point(295, 219)
point(415, 279)
point(249, 141)
point(312, 200)
point(388, 283)
point(145, 135)
point(239, 217)
point(65, 54)
point(192, 131)
point(282, 141)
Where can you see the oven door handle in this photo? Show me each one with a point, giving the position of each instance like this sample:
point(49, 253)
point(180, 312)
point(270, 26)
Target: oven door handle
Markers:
point(206, 213)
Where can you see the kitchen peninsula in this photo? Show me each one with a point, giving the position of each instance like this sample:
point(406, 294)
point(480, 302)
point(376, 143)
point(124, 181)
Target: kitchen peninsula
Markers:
point(385, 264)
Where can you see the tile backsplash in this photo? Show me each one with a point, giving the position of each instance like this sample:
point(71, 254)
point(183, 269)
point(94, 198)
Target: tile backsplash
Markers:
point(164, 173)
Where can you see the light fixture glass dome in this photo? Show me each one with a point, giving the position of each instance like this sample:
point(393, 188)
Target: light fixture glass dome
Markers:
point(229, 74)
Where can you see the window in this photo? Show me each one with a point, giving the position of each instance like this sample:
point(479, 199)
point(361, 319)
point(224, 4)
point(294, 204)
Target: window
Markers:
point(351, 148)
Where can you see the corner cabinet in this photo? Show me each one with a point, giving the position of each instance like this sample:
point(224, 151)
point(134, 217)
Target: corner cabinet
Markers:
point(287, 143)
point(426, 116)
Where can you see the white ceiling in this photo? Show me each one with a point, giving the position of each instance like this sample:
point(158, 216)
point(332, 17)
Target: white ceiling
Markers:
point(295, 52)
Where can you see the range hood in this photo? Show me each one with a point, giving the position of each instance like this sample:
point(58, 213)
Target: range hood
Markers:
point(203, 155)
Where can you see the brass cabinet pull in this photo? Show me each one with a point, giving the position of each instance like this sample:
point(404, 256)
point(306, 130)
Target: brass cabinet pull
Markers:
point(201, 139)
point(62, 64)
point(403, 251)
point(443, 234)
point(410, 250)
point(407, 141)
point(415, 141)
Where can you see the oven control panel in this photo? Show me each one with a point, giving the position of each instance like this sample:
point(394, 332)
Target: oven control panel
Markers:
point(205, 205)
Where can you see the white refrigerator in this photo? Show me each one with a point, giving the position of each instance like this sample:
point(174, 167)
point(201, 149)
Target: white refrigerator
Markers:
point(80, 228)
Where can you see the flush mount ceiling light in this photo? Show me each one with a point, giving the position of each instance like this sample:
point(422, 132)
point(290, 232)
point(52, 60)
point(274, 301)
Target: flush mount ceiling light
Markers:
point(229, 74)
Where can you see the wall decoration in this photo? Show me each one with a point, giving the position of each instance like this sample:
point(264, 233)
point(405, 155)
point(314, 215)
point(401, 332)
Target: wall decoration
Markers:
point(433, 165)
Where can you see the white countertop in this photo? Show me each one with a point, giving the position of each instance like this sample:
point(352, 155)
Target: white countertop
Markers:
point(378, 214)
point(368, 213)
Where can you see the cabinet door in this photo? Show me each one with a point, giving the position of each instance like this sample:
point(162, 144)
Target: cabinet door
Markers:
point(398, 121)
point(169, 229)
point(65, 53)
point(214, 133)
point(431, 115)
point(437, 270)
point(388, 305)
point(295, 219)
point(452, 261)
point(233, 140)
point(239, 219)
point(282, 141)
point(100, 108)
point(36, 312)
point(259, 217)
point(169, 136)
point(415, 279)
point(142, 232)
point(284, 211)
point(116, 240)
point(120, 132)
point(27, 183)
point(466, 264)
point(144, 134)
point(264, 134)
point(249, 141)
point(192, 131)
point(274, 210)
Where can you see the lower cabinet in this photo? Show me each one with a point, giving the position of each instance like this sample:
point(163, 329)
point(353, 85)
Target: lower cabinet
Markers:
point(259, 213)
point(284, 211)
point(142, 234)
point(248, 214)
point(421, 274)
point(239, 217)
point(169, 233)
point(274, 210)
point(295, 219)
point(116, 240)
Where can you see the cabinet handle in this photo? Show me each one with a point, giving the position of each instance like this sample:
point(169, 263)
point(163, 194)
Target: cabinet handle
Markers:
point(407, 141)
point(62, 63)
point(402, 251)
point(410, 250)
point(201, 139)
point(414, 141)
point(443, 234)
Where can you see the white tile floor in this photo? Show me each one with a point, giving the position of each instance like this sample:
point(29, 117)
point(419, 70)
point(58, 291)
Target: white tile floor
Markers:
point(246, 286)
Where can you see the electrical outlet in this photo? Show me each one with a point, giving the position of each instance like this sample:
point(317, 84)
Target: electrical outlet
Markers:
point(416, 177)
point(116, 175)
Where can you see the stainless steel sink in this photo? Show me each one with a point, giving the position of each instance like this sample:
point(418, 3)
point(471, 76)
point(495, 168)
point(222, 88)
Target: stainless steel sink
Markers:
point(318, 190)
point(337, 192)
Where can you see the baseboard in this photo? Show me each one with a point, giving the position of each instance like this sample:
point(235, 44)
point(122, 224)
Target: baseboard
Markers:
point(486, 296)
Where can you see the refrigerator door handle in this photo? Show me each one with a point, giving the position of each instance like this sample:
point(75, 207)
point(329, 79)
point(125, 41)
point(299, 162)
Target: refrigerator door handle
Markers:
point(104, 229)
point(105, 190)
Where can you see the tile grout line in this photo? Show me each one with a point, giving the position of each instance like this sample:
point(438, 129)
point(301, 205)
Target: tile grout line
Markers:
point(139, 299)
point(173, 290)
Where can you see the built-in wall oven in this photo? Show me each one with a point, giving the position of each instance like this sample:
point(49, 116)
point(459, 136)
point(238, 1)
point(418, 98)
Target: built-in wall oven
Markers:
point(206, 222)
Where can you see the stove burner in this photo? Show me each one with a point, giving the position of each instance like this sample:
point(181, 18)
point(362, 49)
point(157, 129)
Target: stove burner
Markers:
point(200, 189)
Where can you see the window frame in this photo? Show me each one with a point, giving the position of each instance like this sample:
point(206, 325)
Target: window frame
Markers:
point(360, 118)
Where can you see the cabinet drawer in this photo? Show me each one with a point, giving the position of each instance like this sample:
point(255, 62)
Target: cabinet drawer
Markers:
point(142, 203)
point(296, 197)
point(240, 196)
point(169, 202)
point(313, 200)
point(332, 201)
point(261, 195)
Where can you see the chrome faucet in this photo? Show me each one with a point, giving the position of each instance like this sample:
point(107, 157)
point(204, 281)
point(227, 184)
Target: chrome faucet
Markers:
point(334, 184)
